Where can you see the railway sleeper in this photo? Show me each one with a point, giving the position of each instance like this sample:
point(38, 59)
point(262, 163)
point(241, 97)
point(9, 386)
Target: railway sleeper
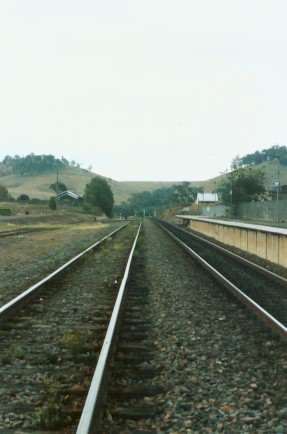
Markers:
point(135, 322)
point(135, 289)
point(132, 372)
point(134, 413)
point(137, 391)
point(135, 348)
point(138, 293)
point(133, 358)
point(134, 336)
point(136, 305)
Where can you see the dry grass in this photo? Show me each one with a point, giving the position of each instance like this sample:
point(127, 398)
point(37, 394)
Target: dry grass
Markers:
point(38, 186)
point(28, 247)
point(75, 179)
point(40, 216)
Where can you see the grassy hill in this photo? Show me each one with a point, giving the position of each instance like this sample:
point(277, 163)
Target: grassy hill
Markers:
point(37, 186)
point(270, 169)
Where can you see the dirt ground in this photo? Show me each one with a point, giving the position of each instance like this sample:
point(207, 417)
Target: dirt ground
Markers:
point(26, 258)
point(41, 218)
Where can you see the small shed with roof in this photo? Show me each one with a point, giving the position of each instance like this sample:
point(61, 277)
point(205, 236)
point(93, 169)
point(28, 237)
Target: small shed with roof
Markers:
point(70, 196)
point(206, 198)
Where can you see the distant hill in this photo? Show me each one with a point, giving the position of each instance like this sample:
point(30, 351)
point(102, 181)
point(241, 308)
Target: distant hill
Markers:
point(37, 185)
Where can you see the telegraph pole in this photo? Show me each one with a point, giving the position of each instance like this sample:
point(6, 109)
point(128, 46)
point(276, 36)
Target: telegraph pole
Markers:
point(57, 192)
point(277, 185)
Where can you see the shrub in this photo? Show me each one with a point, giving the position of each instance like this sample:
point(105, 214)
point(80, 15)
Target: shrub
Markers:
point(87, 207)
point(5, 211)
point(52, 203)
point(23, 198)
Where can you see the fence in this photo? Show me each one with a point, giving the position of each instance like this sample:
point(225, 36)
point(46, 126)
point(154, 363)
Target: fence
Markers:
point(263, 210)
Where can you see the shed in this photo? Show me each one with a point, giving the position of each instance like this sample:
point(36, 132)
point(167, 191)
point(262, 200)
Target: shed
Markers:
point(67, 193)
point(206, 198)
point(72, 197)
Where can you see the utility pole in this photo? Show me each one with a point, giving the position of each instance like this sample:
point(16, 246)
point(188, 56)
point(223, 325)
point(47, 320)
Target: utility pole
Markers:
point(277, 185)
point(57, 192)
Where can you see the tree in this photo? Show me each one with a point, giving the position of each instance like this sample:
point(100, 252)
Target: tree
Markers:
point(23, 198)
point(124, 209)
point(52, 203)
point(32, 164)
point(260, 157)
point(4, 194)
point(243, 185)
point(236, 163)
point(145, 202)
point(58, 187)
point(183, 194)
point(98, 193)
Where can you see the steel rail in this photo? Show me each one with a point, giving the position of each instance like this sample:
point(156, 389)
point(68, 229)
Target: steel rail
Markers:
point(234, 255)
point(256, 308)
point(15, 232)
point(91, 413)
point(7, 308)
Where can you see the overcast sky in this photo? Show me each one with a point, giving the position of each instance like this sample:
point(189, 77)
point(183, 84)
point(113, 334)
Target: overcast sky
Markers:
point(166, 90)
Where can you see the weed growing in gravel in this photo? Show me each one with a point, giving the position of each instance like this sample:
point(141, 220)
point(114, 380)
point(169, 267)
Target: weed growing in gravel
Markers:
point(20, 353)
point(117, 246)
point(73, 342)
point(49, 416)
point(47, 358)
point(5, 360)
point(136, 253)
point(101, 252)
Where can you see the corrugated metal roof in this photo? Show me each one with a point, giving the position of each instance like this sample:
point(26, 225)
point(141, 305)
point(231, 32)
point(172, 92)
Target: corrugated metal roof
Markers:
point(206, 197)
point(68, 193)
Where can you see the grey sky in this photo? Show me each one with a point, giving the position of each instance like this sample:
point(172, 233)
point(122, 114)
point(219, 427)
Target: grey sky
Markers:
point(143, 89)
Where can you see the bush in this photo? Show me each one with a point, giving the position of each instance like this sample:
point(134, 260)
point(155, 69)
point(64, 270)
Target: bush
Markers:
point(23, 198)
point(5, 211)
point(52, 203)
point(36, 201)
point(87, 207)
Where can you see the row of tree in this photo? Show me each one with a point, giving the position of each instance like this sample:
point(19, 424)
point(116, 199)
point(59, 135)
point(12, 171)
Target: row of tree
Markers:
point(260, 157)
point(240, 185)
point(147, 202)
point(33, 164)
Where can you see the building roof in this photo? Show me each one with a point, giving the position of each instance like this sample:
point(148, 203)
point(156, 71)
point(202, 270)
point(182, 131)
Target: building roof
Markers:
point(206, 197)
point(67, 193)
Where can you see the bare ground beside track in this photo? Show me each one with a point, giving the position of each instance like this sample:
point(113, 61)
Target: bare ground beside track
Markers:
point(25, 259)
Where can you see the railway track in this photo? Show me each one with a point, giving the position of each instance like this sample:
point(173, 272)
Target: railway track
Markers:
point(52, 334)
point(248, 281)
point(187, 357)
point(20, 232)
point(126, 383)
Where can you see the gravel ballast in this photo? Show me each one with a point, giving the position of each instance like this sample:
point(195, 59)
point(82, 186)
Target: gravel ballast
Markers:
point(26, 259)
point(222, 371)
